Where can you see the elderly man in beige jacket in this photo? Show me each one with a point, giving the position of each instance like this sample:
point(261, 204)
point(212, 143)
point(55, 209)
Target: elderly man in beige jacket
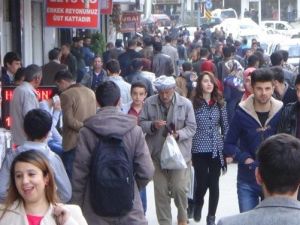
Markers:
point(168, 111)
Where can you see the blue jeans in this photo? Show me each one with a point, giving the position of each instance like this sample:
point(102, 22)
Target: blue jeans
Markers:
point(143, 195)
point(68, 159)
point(56, 147)
point(249, 195)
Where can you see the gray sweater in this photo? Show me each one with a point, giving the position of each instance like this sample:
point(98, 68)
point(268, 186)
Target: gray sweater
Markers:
point(64, 189)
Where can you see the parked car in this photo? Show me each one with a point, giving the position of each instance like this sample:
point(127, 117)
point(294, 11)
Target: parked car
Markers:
point(280, 27)
point(224, 14)
point(293, 47)
point(161, 20)
point(242, 28)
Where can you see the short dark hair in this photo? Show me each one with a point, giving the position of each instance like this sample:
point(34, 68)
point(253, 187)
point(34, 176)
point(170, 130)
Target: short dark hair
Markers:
point(32, 72)
point(113, 66)
point(204, 52)
point(131, 43)
point(20, 74)
point(285, 54)
point(148, 40)
point(10, 57)
point(297, 81)
point(262, 75)
point(278, 73)
point(37, 124)
point(108, 94)
point(137, 64)
point(227, 51)
point(157, 46)
point(168, 38)
point(139, 84)
point(63, 75)
point(276, 58)
point(187, 66)
point(279, 163)
point(53, 53)
point(252, 60)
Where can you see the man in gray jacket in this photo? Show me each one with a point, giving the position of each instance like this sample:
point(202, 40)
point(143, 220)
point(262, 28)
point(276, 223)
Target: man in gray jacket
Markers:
point(110, 121)
point(279, 175)
point(24, 99)
point(162, 113)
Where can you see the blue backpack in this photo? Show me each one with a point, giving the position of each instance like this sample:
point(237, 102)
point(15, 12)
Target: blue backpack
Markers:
point(111, 178)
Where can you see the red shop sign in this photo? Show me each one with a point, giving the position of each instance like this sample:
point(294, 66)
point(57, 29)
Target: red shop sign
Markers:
point(106, 7)
point(131, 22)
point(73, 13)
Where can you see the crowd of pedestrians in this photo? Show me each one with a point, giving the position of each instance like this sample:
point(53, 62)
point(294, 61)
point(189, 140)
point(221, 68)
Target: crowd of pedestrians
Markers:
point(222, 101)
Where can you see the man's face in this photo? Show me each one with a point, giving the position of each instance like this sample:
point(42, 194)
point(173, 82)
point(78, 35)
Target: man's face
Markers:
point(65, 50)
point(166, 95)
point(62, 85)
point(14, 66)
point(298, 92)
point(97, 63)
point(87, 41)
point(263, 91)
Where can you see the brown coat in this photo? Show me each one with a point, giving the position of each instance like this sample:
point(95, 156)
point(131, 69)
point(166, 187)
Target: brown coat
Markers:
point(78, 103)
point(109, 121)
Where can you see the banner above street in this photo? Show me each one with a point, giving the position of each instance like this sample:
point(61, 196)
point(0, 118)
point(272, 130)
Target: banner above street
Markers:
point(78, 14)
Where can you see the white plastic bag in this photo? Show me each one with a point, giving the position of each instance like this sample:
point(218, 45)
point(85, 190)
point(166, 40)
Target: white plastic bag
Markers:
point(171, 157)
point(190, 193)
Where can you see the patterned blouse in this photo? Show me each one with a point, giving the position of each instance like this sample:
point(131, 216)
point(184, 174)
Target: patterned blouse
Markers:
point(212, 126)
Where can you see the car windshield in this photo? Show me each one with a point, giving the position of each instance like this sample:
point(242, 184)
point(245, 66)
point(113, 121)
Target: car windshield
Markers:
point(228, 14)
point(294, 50)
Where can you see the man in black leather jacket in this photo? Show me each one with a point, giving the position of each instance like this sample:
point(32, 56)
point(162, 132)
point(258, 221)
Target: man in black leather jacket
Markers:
point(290, 117)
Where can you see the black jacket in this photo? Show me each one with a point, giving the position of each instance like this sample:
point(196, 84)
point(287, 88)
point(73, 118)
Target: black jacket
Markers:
point(288, 121)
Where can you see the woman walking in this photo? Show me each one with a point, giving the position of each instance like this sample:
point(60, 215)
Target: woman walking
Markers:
point(207, 147)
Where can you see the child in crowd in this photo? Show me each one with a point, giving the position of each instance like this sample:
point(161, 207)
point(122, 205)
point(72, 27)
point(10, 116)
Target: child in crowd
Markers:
point(138, 94)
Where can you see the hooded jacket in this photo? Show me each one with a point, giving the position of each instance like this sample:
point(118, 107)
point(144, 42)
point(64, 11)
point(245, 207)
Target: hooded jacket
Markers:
point(110, 122)
point(247, 130)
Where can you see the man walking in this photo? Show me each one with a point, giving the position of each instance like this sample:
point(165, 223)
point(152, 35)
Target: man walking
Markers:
point(255, 119)
point(278, 174)
point(168, 111)
point(110, 122)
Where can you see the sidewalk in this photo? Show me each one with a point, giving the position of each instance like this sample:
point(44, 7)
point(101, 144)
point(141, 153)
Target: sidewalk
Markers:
point(228, 203)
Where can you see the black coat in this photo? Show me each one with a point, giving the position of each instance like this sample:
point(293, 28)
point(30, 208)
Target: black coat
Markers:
point(288, 121)
point(125, 60)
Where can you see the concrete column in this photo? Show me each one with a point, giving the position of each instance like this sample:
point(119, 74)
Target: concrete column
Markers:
point(27, 33)
point(279, 10)
point(298, 9)
point(1, 32)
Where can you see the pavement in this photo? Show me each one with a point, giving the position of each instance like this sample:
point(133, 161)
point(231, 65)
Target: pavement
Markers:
point(228, 203)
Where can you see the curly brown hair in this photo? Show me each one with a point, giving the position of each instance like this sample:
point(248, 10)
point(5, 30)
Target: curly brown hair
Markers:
point(216, 95)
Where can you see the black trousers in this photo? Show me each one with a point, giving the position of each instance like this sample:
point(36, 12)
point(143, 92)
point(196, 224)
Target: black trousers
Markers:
point(207, 174)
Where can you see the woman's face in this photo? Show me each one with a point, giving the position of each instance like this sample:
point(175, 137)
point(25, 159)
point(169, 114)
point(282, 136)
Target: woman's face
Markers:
point(207, 85)
point(247, 84)
point(30, 182)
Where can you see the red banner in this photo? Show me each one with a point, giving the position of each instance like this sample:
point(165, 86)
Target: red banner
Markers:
point(106, 7)
point(73, 13)
point(131, 22)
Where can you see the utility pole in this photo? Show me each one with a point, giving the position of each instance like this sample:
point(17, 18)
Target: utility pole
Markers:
point(148, 8)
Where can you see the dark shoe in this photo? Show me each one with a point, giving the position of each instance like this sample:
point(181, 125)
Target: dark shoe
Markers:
point(190, 211)
point(197, 213)
point(210, 220)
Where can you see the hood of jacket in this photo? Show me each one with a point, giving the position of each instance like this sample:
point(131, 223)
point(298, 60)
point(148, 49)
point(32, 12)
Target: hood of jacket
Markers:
point(110, 121)
point(248, 104)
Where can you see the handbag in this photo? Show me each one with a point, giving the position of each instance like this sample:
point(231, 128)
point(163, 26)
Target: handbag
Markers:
point(171, 157)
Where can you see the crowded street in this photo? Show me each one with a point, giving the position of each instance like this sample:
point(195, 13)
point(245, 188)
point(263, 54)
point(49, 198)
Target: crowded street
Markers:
point(163, 112)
